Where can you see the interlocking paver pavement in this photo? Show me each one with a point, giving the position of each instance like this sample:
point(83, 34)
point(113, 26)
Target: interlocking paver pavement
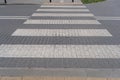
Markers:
point(69, 38)
point(62, 39)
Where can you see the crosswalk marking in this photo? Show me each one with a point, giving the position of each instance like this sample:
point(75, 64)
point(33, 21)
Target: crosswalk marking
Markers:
point(107, 18)
point(60, 51)
point(14, 17)
point(47, 6)
point(31, 21)
point(61, 32)
point(67, 10)
point(64, 14)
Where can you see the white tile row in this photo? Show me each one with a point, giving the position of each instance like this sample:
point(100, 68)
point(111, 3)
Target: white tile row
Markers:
point(67, 10)
point(61, 32)
point(64, 14)
point(53, 6)
point(34, 21)
point(60, 51)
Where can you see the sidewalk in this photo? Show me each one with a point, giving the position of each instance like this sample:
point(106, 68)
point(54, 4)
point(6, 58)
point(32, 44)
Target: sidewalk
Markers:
point(55, 78)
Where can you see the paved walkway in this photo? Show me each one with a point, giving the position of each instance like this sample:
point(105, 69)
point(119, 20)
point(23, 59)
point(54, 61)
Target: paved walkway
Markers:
point(55, 78)
point(61, 17)
point(61, 25)
point(56, 36)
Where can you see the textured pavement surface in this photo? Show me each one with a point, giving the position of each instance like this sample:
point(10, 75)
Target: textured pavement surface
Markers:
point(57, 37)
point(65, 41)
point(55, 78)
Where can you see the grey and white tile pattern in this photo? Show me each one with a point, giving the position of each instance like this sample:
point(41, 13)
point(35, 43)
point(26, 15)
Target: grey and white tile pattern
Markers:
point(58, 37)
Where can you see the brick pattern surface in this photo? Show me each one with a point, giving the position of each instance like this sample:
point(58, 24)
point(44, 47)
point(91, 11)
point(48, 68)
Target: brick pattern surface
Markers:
point(57, 51)
point(60, 40)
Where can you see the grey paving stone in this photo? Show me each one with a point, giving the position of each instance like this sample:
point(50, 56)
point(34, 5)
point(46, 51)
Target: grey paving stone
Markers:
point(42, 72)
point(47, 40)
point(115, 73)
point(18, 10)
point(98, 72)
point(59, 63)
point(6, 38)
point(106, 8)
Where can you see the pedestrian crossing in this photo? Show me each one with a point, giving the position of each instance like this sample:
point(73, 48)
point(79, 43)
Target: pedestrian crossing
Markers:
point(49, 6)
point(67, 10)
point(61, 32)
point(64, 15)
point(60, 51)
point(61, 22)
point(64, 50)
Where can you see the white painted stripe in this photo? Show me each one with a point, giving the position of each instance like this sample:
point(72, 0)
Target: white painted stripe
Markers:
point(30, 21)
point(107, 18)
point(78, 10)
point(14, 17)
point(60, 51)
point(61, 32)
point(64, 14)
point(59, 4)
point(64, 6)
